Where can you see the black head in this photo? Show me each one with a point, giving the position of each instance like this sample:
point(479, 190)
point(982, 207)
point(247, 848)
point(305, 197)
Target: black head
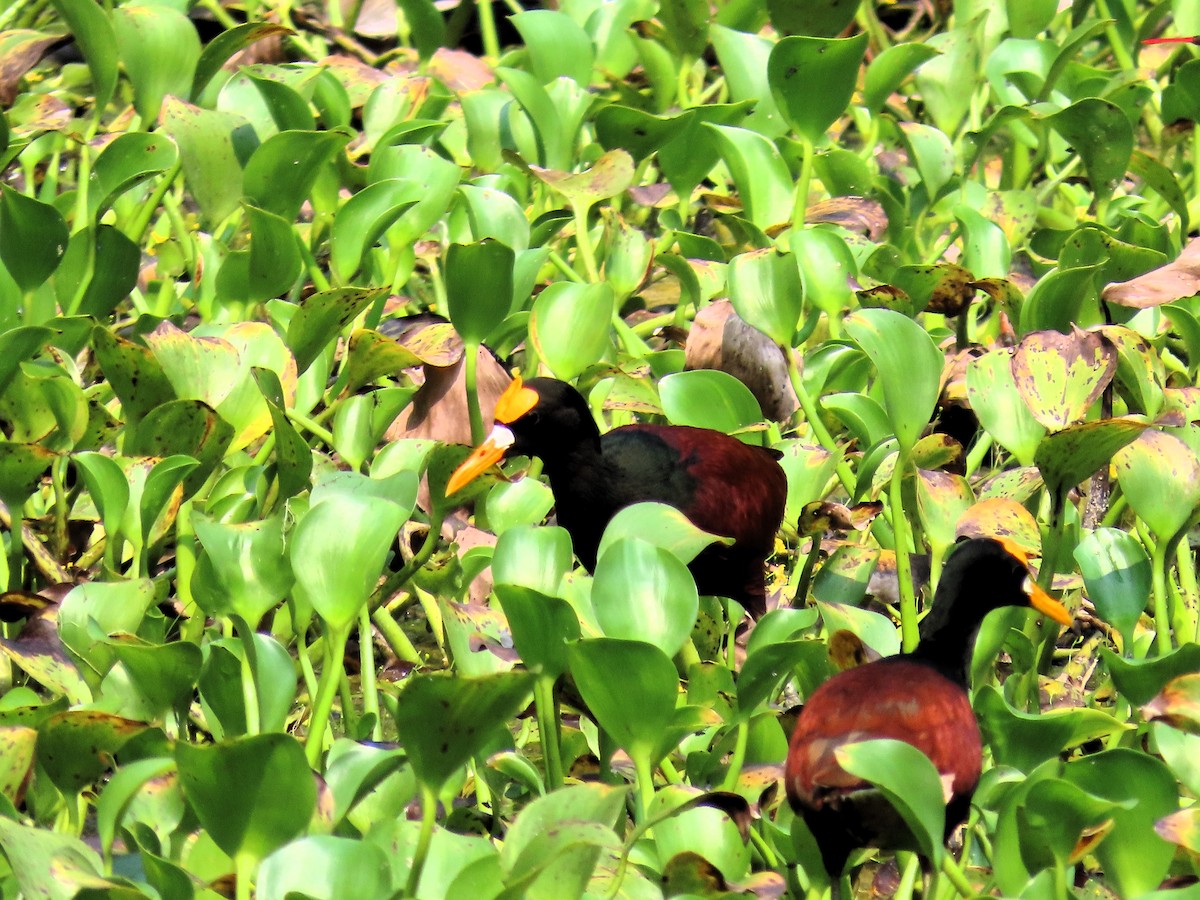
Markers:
point(541, 417)
point(981, 575)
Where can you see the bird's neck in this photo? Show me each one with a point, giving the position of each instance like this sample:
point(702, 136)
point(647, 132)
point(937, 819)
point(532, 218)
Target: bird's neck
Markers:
point(948, 643)
point(567, 461)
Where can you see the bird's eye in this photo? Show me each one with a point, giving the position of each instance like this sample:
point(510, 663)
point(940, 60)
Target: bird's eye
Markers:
point(532, 417)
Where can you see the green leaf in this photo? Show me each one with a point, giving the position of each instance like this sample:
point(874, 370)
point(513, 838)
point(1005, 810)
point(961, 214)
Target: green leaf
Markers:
point(909, 365)
point(763, 182)
point(128, 161)
point(911, 784)
point(933, 155)
point(630, 687)
point(708, 398)
point(663, 526)
point(1160, 476)
point(443, 720)
point(53, 865)
point(765, 290)
point(542, 627)
point(1002, 412)
point(643, 593)
point(271, 265)
point(93, 31)
point(33, 238)
point(281, 173)
point(76, 747)
point(1116, 572)
point(363, 219)
point(532, 557)
point(225, 785)
point(569, 327)
point(557, 47)
point(125, 783)
point(225, 45)
point(244, 570)
point(1138, 680)
point(159, 48)
point(338, 550)
point(1100, 133)
point(797, 63)
point(887, 71)
point(321, 316)
point(826, 269)
point(479, 285)
point(324, 866)
point(210, 145)
point(1067, 457)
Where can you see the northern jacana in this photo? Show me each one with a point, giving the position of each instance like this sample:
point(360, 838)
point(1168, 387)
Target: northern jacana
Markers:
point(919, 698)
point(722, 485)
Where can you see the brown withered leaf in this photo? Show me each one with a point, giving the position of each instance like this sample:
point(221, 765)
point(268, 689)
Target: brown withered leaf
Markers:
point(1177, 279)
point(21, 50)
point(719, 339)
point(820, 516)
point(460, 71)
point(856, 214)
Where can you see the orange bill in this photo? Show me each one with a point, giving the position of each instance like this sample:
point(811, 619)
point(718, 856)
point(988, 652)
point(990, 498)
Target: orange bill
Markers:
point(482, 458)
point(1047, 605)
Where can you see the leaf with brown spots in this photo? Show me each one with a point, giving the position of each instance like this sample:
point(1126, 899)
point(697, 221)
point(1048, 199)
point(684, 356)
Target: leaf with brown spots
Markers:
point(76, 747)
point(20, 50)
point(858, 214)
point(1001, 517)
point(1059, 376)
point(1177, 704)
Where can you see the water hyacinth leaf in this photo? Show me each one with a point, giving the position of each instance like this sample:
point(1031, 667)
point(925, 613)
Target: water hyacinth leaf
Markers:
point(1025, 740)
point(663, 526)
point(363, 220)
point(637, 132)
point(557, 46)
point(443, 720)
point(1139, 680)
point(223, 781)
point(909, 365)
point(1099, 131)
point(495, 214)
point(53, 865)
point(909, 781)
point(219, 50)
point(288, 110)
point(269, 268)
point(1180, 751)
point(17, 743)
point(75, 747)
point(129, 160)
point(479, 285)
point(809, 470)
point(325, 866)
point(873, 629)
point(1133, 855)
point(1116, 572)
point(630, 687)
point(16, 346)
point(1061, 375)
point(210, 144)
point(942, 288)
point(642, 592)
point(940, 80)
point(159, 48)
point(1160, 476)
point(766, 291)
point(523, 502)
point(826, 269)
point(33, 238)
point(121, 790)
point(553, 847)
point(1181, 828)
point(98, 271)
point(92, 28)
point(164, 674)
point(629, 258)
point(293, 457)
point(827, 19)
point(338, 550)
point(188, 427)
point(797, 63)
point(1162, 180)
point(542, 626)
point(703, 833)
point(986, 250)
point(887, 71)
point(321, 316)
point(998, 404)
point(371, 355)
point(1177, 704)
point(570, 326)
point(1052, 820)
point(688, 157)
point(709, 398)
point(1067, 457)
point(301, 154)
point(428, 29)
point(767, 666)
point(764, 185)
point(244, 570)
point(21, 468)
point(532, 557)
point(933, 155)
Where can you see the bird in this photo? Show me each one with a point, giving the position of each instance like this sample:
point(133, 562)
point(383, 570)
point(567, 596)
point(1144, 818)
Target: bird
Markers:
point(724, 486)
point(919, 698)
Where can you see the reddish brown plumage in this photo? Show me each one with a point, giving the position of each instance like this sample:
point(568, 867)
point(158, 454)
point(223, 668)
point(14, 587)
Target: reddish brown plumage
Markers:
point(721, 484)
point(919, 698)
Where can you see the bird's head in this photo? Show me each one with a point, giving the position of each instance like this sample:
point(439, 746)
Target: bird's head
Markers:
point(531, 418)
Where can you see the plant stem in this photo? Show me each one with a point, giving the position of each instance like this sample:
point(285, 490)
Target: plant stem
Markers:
point(366, 656)
point(1162, 617)
point(470, 362)
point(734, 772)
point(398, 580)
point(908, 598)
point(810, 563)
point(645, 785)
point(243, 864)
point(803, 182)
point(583, 242)
point(813, 418)
point(331, 675)
point(1185, 565)
point(145, 214)
point(547, 719)
point(954, 873)
point(394, 636)
point(428, 815)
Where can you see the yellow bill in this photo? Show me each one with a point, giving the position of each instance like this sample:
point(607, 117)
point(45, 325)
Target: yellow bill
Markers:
point(482, 458)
